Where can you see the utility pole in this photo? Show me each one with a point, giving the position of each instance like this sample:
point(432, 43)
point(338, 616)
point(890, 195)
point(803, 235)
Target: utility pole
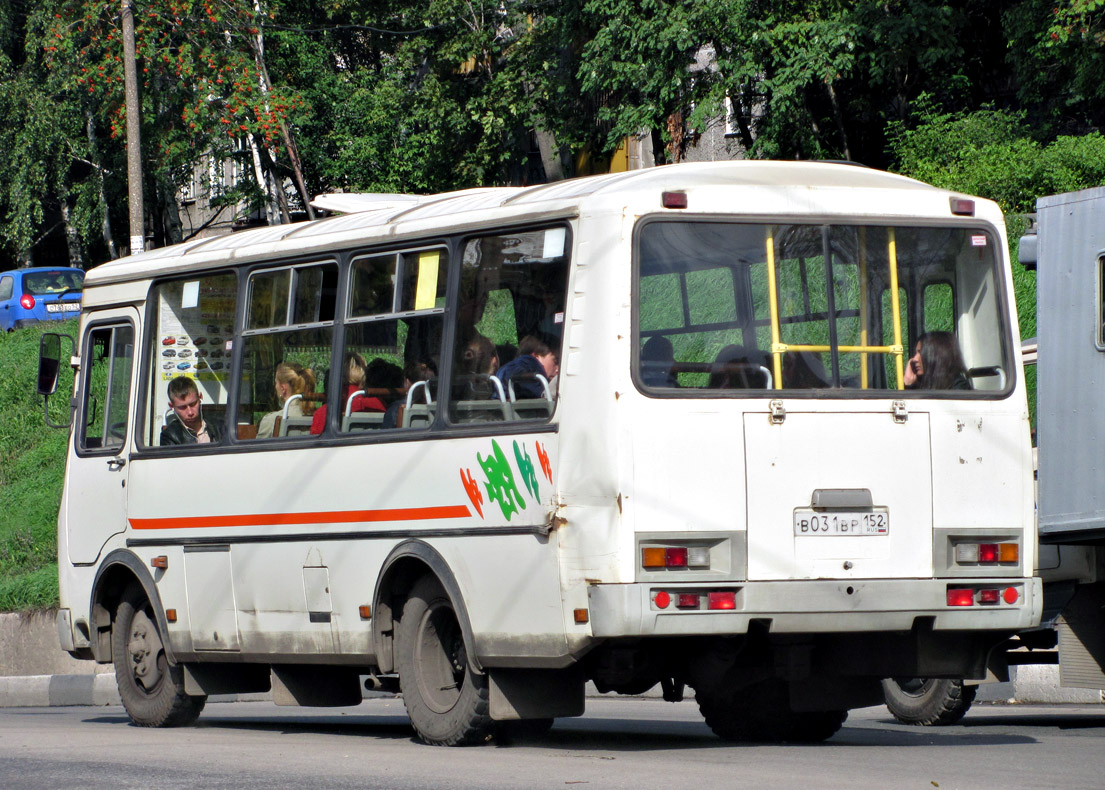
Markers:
point(134, 134)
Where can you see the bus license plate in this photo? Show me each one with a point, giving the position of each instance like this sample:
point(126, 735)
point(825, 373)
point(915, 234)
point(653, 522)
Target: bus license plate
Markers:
point(814, 522)
point(63, 307)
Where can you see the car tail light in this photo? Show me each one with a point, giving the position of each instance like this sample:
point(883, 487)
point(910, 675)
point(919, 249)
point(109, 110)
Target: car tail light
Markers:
point(661, 599)
point(987, 552)
point(1009, 552)
point(961, 596)
point(675, 558)
point(722, 600)
point(1011, 595)
point(27, 302)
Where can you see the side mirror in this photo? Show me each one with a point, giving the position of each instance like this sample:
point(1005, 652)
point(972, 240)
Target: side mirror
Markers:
point(49, 363)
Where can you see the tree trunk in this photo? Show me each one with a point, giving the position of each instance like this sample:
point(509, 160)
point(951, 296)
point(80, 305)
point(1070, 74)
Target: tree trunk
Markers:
point(170, 211)
point(265, 84)
point(105, 214)
point(72, 238)
point(839, 120)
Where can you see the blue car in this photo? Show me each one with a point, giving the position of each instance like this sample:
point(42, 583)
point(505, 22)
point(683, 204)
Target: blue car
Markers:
point(43, 294)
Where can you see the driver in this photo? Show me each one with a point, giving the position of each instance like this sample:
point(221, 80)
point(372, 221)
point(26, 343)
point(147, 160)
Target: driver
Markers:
point(189, 427)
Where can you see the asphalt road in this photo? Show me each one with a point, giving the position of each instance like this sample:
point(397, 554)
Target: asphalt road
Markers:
point(620, 743)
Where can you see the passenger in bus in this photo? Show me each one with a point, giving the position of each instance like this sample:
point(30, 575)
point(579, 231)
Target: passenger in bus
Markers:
point(291, 379)
point(186, 425)
point(936, 364)
point(352, 379)
point(657, 363)
point(478, 362)
point(534, 358)
point(803, 370)
point(415, 371)
point(736, 368)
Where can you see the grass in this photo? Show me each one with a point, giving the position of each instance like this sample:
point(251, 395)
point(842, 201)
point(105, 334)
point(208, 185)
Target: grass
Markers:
point(32, 465)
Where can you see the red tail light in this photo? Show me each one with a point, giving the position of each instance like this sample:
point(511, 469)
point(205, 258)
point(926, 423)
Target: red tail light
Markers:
point(987, 552)
point(961, 596)
point(723, 600)
point(662, 600)
point(687, 601)
point(27, 302)
point(675, 558)
point(989, 595)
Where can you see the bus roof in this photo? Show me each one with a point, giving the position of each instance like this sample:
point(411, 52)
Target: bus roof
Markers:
point(371, 217)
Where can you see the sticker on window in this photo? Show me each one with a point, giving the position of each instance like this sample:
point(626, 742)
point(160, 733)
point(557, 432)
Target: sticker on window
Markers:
point(978, 241)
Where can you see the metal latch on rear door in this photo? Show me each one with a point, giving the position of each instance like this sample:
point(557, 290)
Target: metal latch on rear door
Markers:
point(778, 413)
point(901, 413)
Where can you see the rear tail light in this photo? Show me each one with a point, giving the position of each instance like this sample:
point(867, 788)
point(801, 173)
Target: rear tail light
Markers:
point(698, 557)
point(984, 596)
point(659, 557)
point(987, 553)
point(961, 597)
point(688, 601)
point(722, 600)
point(27, 302)
point(661, 599)
point(989, 596)
point(962, 207)
point(675, 558)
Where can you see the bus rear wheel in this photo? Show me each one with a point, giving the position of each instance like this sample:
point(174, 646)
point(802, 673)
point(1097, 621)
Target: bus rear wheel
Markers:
point(447, 701)
point(762, 713)
point(928, 701)
point(152, 691)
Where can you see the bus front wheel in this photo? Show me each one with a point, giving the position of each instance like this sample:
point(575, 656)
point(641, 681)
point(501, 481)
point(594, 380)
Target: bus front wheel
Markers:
point(447, 701)
point(152, 691)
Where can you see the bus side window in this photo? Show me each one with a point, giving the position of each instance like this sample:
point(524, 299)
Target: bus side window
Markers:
point(285, 349)
point(510, 324)
point(193, 336)
point(109, 354)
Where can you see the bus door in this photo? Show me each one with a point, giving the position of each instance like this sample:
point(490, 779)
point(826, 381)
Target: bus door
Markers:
point(837, 494)
point(96, 486)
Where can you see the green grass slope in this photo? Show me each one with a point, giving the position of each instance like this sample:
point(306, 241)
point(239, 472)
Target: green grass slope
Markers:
point(32, 464)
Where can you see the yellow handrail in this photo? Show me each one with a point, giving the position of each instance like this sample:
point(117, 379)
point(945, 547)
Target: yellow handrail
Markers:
point(892, 251)
point(773, 300)
point(778, 348)
point(863, 306)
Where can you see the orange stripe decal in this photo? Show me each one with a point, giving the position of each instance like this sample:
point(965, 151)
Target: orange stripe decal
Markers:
point(292, 519)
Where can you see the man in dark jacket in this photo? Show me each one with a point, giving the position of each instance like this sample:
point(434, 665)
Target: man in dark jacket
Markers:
point(534, 358)
point(189, 427)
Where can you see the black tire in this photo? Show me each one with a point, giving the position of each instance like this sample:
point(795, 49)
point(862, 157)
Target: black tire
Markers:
point(152, 691)
point(928, 701)
point(448, 703)
point(762, 714)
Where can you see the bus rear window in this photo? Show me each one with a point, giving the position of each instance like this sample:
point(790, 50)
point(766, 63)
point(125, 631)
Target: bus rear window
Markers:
point(725, 306)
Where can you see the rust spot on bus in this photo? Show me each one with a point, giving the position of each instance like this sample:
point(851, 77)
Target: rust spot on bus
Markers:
point(619, 504)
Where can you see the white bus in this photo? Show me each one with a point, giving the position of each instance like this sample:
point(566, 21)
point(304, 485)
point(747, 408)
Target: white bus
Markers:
point(659, 427)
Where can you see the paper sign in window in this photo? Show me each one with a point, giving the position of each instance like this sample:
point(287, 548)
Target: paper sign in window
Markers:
point(425, 293)
point(191, 295)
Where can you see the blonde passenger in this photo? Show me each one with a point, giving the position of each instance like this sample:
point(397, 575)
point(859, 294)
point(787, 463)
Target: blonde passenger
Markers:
point(291, 379)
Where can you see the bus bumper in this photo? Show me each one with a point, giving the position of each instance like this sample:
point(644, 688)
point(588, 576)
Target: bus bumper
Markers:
point(815, 606)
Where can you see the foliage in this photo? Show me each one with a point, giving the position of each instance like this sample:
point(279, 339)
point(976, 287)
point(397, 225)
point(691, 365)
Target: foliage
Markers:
point(32, 464)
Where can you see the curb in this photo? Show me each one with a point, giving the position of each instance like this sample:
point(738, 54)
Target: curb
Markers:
point(45, 691)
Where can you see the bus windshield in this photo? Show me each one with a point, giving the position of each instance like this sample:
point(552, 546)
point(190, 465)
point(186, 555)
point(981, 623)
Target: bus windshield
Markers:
point(741, 306)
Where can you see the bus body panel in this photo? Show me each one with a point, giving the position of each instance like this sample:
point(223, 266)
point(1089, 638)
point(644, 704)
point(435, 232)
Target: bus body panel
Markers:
point(280, 563)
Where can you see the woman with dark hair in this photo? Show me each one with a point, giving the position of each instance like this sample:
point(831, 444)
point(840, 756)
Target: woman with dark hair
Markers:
point(936, 364)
